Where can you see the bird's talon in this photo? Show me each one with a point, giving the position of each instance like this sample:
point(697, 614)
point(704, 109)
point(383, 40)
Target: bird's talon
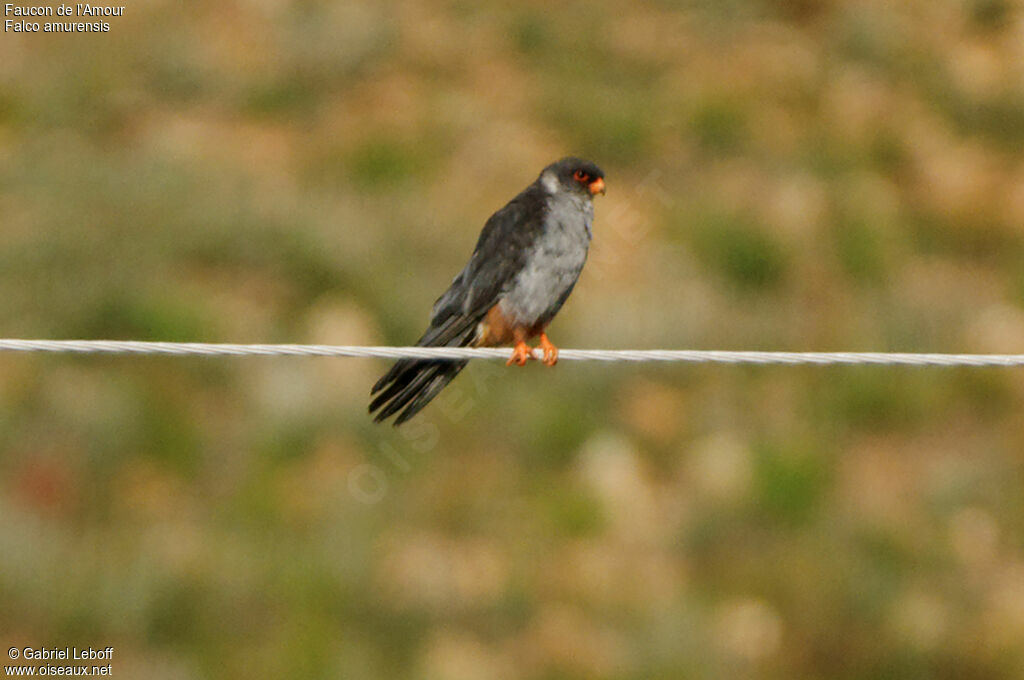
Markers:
point(520, 355)
point(550, 351)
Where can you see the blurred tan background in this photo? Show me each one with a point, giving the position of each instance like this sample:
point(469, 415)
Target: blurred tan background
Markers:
point(800, 175)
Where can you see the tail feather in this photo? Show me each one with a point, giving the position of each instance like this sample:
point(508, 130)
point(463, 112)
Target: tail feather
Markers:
point(411, 383)
point(388, 382)
point(431, 390)
point(419, 395)
point(402, 390)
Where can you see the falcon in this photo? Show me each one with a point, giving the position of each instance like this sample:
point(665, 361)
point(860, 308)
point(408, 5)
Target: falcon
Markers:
point(523, 268)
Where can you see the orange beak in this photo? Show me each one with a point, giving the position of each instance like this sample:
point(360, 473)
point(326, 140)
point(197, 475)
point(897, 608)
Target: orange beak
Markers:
point(596, 187)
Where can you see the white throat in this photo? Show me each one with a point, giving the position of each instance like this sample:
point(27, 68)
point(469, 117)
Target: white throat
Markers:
point(549, 181)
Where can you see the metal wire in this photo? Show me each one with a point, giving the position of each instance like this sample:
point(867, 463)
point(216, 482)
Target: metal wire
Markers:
point(454, 353)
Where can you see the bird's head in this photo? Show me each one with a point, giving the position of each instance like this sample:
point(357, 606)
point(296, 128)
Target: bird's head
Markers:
point(575, 176)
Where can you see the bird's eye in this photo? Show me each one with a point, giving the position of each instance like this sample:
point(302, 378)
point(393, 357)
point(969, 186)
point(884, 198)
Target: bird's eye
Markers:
point(580, 176)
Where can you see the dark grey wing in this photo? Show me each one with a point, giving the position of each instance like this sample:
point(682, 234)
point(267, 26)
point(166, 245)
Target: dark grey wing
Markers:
point(500, 254)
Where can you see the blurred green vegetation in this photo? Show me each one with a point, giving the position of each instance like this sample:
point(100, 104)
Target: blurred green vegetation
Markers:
point(790, 175)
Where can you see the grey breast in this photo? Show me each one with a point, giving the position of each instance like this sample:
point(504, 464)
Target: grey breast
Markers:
point(553, 264)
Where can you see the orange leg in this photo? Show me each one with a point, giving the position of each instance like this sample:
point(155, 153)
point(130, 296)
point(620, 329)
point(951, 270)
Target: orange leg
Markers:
point(550, 351)
point(521, 354)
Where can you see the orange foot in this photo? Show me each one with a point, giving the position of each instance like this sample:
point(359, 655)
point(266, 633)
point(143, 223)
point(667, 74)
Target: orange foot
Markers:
point(550, 351)
point(520, 355)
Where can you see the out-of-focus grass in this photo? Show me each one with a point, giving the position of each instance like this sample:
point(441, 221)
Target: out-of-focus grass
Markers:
point(739, 252)
point(782, 175)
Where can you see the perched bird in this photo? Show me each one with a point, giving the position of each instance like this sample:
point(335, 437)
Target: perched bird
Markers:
point(523, 268)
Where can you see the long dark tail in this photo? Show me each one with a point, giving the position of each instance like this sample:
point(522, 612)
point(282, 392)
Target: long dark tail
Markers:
point(412, 383)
